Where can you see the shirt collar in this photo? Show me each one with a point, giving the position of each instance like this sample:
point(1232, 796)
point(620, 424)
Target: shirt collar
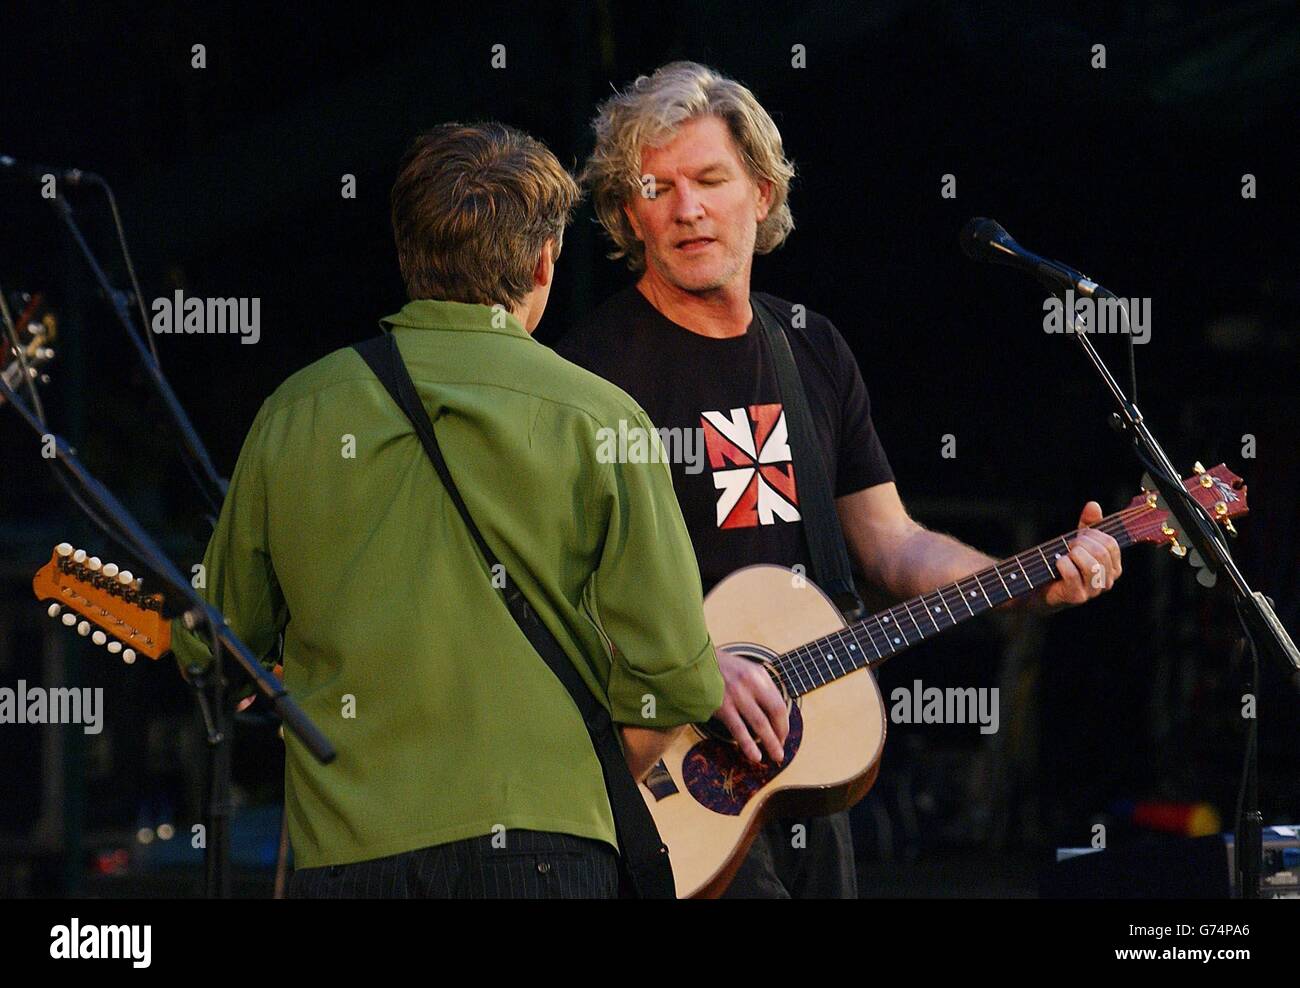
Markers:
point(438, 314)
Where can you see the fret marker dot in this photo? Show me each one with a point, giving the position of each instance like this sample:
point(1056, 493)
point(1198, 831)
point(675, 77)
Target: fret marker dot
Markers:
point(885, 619)
point(1013, 576)
point(972, 593)
point(852, 648)
point(897, 642)
point(936, 610)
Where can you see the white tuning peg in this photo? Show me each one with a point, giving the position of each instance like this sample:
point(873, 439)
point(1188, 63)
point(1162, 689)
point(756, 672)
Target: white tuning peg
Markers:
point(128, 655)
point(53, 610)
point(110, 570)
point(83, 628)
point(99, 638)
point(93, 564)
point(114, 647)
point(79, 556)
point(63, 549)
point(69, 619)
point(125, 577)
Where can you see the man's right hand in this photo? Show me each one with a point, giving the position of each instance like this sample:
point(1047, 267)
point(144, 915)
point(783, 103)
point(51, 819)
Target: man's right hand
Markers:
point(752, 707)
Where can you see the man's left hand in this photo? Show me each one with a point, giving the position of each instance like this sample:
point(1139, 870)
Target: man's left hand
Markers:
point(1091, 568)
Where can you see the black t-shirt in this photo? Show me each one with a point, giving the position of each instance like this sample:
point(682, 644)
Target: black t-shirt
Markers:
point(717, 405)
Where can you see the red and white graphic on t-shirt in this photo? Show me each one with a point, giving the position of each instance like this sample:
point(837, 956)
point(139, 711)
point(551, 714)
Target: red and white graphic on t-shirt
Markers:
point(753, 470)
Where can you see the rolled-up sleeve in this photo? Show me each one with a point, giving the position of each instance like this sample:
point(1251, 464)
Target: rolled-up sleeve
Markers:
point(647, 600)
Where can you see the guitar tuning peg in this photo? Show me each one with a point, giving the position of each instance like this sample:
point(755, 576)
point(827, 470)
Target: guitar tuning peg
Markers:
point(53, 610)
point(1197, 468)
point(63, 549)
point(79, 556)
point(125, 577)
point(1203, 575)
point(69, 619)
point(128, 656)
point(94, 564)
point(99, 638)
point(110, 570)
point(1178, 549)
point(114, 647)
point(83, 628)
point(1232, 529)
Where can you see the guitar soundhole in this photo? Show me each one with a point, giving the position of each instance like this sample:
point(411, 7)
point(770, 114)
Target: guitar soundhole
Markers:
point(723, 780)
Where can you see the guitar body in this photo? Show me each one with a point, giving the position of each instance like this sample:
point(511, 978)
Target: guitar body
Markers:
point(837, 736)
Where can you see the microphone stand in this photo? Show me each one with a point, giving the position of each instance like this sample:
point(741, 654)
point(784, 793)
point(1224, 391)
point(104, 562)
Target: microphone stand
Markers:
point(210, 484)
point(209, 684)
point(1260, 625)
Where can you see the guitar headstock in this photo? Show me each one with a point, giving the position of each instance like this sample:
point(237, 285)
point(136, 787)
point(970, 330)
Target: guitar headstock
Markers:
point(108, 600)
point(37, 327)
point(1218, 490)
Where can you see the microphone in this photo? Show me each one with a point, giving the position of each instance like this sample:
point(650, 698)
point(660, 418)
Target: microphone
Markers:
point(68, 176)
point(984, 240)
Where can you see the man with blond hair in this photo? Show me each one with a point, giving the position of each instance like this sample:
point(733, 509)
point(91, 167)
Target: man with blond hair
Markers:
point(464, 768)
point(689, 179)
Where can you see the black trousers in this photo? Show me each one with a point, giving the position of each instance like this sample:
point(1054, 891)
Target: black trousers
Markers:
point(533, 864)
point(805, 858)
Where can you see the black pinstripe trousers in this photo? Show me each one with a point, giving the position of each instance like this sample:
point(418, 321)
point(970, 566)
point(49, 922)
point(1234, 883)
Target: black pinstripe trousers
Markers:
point(533, 864)
point(819, 867)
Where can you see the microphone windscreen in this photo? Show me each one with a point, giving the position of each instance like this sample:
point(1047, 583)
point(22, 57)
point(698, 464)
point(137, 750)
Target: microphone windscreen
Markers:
point(976, 236)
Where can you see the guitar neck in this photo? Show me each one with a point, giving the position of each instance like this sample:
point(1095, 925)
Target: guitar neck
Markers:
point(874, 639)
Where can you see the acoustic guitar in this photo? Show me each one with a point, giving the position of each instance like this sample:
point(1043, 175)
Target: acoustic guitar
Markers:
point(709, 800)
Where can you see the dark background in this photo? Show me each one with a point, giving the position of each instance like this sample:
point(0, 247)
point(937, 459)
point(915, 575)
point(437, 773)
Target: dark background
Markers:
point(229, 179)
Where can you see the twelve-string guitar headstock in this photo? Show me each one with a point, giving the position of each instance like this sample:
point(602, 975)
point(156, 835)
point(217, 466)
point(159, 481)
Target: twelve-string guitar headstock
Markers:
point(113, 609)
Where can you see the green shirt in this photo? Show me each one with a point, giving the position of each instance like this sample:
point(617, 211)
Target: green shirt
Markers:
point(337, 532)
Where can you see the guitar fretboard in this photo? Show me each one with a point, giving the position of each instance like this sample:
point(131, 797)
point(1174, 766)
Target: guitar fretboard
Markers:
point(876, 638)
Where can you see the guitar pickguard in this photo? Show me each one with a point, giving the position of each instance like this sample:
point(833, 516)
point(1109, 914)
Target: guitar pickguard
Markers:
point(723, 780)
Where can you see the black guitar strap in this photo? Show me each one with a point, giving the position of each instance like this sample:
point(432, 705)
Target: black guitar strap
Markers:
point(646, 870)
point(821, 525)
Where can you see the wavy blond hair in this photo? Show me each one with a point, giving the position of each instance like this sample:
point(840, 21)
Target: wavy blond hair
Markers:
point(648, 113)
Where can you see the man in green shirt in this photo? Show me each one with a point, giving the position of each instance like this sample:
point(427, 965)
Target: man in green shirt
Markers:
point(464, 768)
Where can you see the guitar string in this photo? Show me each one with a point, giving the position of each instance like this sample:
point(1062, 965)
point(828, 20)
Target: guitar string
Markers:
point(795, 661)
point(843, 635)
point(784, 663)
